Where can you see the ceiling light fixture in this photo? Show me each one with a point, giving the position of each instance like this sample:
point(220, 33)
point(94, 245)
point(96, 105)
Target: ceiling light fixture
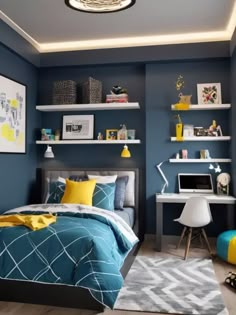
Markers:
point(99, 6)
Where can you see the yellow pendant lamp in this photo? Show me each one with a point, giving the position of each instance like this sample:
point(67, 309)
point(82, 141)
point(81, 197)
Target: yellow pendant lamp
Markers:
point(125, 152)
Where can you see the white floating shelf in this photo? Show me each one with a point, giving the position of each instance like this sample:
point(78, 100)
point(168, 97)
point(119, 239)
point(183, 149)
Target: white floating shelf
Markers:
point(204, 107)
point(52, 142)
point(84, 107)
point(223, 138)
point(200, 160)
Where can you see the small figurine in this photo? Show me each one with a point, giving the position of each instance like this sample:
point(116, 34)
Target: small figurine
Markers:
point(122, 133)
point(116, 89)
point(100, 136)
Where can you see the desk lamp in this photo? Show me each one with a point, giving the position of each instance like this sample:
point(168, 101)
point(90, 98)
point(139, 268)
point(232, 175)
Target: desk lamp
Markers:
point(163, 176)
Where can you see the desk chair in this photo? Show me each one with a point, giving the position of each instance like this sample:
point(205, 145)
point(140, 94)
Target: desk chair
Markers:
point(196, 214)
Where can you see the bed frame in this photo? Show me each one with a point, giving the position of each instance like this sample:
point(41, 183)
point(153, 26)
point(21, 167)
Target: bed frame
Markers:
point(63, 295)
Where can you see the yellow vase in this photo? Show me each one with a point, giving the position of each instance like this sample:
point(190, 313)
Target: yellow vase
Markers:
point(179, 132)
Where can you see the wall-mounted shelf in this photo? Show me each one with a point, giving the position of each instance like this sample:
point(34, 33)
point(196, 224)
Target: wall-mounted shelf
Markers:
point(52, 142)
point(208, 138)
point(84, 107)
point(204, 107)
point(200, 160)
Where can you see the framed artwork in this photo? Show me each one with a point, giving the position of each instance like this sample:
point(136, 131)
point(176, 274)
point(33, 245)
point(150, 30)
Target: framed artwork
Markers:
point(12, 116)
point(76, 127)
point(209, 93)
point(111, 134)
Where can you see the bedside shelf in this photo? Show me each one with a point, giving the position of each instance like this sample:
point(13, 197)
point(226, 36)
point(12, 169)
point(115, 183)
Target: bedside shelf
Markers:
point(84, 107)
point(52, 142)
point(200, 160)
point(203, 107)
point(223, 138)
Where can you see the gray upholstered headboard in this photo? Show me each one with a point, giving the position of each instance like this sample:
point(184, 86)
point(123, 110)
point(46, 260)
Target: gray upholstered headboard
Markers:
point(132, 188)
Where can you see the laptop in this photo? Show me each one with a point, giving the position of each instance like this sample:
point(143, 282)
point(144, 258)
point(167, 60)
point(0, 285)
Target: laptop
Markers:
point(195, 183)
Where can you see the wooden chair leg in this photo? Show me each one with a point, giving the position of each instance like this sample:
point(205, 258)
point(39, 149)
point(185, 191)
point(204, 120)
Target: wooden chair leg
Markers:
point(206, 240)
point(181, 237)
point(188, 242)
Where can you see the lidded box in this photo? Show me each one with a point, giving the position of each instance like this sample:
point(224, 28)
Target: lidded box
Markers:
point(92, 91)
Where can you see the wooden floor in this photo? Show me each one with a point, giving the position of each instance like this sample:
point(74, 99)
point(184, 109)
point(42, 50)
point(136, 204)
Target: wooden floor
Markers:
point(221, 269)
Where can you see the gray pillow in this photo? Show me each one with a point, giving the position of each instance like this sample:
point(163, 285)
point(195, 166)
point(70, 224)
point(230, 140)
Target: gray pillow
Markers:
point(121, 183)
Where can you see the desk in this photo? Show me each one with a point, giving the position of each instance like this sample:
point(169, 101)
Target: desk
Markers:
point(182, 198)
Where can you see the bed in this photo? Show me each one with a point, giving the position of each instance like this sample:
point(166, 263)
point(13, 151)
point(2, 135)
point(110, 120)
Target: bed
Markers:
point(79, 296)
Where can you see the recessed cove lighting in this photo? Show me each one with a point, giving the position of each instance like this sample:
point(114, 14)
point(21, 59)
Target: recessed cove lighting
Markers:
point(99, 6)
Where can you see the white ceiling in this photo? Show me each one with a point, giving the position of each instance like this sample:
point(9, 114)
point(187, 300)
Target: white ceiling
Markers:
point(51, 26)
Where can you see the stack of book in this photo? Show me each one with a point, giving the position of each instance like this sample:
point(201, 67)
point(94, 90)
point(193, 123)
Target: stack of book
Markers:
point(117, 98)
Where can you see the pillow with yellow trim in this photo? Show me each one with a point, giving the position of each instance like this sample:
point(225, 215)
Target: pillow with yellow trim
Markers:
point(79, 192)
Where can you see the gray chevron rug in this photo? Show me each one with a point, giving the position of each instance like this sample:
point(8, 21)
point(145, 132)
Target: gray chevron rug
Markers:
point(172, 286)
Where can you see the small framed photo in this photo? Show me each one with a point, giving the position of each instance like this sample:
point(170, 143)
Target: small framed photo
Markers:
point(76, 127)
point(209, 93)
point(188, 131)
point(111, 134)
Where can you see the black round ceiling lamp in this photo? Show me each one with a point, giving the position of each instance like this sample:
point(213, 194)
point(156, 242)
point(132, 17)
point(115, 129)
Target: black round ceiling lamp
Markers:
point(99, 6)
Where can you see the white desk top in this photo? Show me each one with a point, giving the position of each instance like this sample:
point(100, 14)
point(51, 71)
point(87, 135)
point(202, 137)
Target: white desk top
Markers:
point(181, 198)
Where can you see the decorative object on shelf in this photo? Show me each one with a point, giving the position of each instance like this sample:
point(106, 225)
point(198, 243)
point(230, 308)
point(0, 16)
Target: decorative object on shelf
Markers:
point(64, 92)
point(131, 134)
point(223, 181)
point(122, 133)
point(215, 130)
point(46, 134)
point(184, 154)
point(57, 134)
point(99, 6)
point(166, 184)
point(111, 134)
point(216, 168)
point(118, 95)
point(92, 91)
point(177, 156)
point(209, 93)
point(13, 116)
point(200, 132)
point(49, 153)
point(179, 129)
point(188, 131)
point(204, 154)
point(184, 100)
point(100, 136)
point(179, 84)
point(125, 153)
point(78, 127)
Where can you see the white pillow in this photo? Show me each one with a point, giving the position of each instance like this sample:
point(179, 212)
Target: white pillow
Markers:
point(103, 179)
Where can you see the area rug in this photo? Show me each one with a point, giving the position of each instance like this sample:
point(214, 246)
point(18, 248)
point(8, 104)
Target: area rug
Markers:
point(173, 286)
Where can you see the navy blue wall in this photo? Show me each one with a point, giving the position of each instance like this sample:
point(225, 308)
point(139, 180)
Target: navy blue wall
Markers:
point(18, 170)
point(160, 94)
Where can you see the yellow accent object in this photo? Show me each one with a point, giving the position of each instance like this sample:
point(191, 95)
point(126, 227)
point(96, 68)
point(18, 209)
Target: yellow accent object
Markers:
point(79, 192)
point(125, 152)
point(179, 131)
point(20, 138)
point(5, 130)
point(181, 106)
point(34, 222)
point(232, 251)
point(14, 103)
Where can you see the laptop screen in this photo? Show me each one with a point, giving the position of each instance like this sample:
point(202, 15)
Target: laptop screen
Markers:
point(195, 183)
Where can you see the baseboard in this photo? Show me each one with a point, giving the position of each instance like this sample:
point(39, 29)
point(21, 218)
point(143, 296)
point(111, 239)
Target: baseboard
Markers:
point(173, 238)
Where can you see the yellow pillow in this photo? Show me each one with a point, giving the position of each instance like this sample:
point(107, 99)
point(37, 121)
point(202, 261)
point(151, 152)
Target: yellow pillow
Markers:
point(79, 192)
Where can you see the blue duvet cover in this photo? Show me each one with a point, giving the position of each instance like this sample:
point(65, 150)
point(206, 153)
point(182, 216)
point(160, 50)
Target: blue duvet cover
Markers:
point(86, 247)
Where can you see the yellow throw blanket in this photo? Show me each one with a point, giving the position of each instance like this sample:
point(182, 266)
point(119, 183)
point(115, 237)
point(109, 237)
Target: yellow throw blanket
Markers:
point(34, 222)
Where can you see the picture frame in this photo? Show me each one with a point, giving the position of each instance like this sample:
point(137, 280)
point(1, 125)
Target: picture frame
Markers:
point(12, 115)
point(209, 93)
point(78, 127)
point(111, 134)
point(188, 131)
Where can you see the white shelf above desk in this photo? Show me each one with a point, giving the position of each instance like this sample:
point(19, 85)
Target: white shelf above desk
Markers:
point(53, 142)
point(200, 160)
point(203, 107)
point(84, 107)
point(208, 138)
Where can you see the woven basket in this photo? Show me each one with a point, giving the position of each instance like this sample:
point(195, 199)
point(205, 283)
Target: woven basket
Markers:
point(92, 91)
point(64, 92)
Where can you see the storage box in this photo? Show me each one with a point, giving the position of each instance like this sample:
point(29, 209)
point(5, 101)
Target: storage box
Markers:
point(92, 91)
point(64, 92)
